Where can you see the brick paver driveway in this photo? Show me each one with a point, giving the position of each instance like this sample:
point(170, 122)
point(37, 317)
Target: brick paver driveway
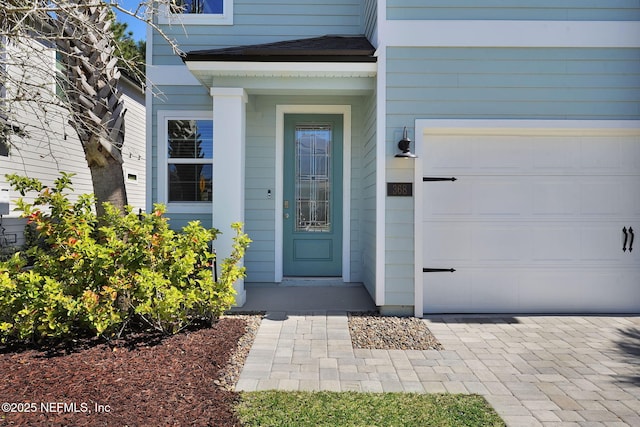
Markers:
point(535, 370)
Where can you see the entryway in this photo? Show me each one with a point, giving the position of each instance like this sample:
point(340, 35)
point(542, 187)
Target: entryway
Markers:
point(348, 297)
point(312, 195)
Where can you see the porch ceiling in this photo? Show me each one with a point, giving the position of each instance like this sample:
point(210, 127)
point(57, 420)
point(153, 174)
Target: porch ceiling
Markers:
point(329, 64)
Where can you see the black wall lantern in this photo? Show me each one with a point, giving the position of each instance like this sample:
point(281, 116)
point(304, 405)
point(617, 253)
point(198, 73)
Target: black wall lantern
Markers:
point(403, 145)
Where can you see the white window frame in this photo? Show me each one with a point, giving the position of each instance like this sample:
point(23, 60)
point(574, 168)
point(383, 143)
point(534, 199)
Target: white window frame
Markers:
point(224, 18)
point(163, 161)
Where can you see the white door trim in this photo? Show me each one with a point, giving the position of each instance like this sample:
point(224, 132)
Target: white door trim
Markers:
point(426, 127)
point(345, 111)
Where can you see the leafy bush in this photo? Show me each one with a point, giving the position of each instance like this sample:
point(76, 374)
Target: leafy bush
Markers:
point(103, 274)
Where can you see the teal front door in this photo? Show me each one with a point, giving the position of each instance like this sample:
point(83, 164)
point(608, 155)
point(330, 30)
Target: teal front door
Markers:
point(312, 195)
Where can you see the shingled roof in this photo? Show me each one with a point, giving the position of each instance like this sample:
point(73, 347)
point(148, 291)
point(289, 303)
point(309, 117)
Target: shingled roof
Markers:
point(317, 49)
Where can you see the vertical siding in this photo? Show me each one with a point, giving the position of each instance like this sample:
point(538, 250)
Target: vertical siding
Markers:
point(492, 83)
point(553, 10)
point(258, 21)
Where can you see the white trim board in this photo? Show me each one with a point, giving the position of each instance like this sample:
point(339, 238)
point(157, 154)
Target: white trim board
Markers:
point(381, 176)
point(284, 69)
point(345, 110)
point(489, 33)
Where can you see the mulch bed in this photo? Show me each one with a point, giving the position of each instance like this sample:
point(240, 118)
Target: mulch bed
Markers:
point(144, 380)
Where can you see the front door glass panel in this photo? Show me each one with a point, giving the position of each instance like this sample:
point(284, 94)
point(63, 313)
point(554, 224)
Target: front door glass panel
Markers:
point(313, 178)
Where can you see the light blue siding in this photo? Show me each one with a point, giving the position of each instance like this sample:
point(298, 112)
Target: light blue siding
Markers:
point(552, 10)
point(492, 83)
point(369, 18)
point(399, 239)
point(368, 196)
point(260, 177)
point(512, 83)
point(258, 21)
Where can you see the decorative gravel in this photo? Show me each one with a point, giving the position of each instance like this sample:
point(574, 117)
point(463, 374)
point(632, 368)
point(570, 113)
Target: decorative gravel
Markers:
point(229, 375)
point(373, 331)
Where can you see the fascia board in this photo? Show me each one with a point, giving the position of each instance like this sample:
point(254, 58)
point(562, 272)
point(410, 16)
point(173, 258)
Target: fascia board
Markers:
point(283, 69)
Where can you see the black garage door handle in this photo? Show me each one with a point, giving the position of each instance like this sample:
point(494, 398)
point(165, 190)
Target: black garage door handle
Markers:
point(626, 238)
point(632, 237)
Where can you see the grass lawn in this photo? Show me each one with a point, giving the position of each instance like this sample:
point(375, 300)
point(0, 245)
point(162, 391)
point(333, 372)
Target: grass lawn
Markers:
point(278, 408)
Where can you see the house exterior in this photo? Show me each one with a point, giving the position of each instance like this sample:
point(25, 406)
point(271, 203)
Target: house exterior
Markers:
point(45, 144)
point(524, 117)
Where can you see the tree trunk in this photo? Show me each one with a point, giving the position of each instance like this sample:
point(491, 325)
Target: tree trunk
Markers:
point(97, 108)
point(107, 177)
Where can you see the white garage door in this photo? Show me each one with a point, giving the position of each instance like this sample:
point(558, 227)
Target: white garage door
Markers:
point(532, 223)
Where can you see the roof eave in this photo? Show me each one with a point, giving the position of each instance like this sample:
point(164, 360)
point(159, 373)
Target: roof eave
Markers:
point(283, 69)
point(288, 77)
point(333, 58)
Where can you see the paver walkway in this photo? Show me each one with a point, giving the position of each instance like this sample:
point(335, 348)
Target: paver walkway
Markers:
point(539, 370)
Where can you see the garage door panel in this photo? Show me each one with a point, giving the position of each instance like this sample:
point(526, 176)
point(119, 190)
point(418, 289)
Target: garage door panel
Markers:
point(531, 196)
point(494, 289)
point(532, 224)
point(454, 243)
point(600, 243)
point(498, 197)
point(600, 198)
point(629, 196)
point(476, 290)
point(628, 284)
point(598, 153)
point(470, 290)
point(554, 243)
point(630, 155)
point(448, 199)
point(580, 291)
point(556, 196)
point(447, 292)
point(554, 154)
point(517, 243)
point(498, 243)
point(499, 154)
point(558, 291)
point(453, 154)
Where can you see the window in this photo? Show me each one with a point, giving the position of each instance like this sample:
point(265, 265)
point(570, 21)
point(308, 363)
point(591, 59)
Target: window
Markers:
point(4, 144)
point(198, 12)
point(201, 6)
point(189, 160)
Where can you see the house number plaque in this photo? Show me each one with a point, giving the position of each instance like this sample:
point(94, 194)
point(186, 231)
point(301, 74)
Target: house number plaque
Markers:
point(400, 189)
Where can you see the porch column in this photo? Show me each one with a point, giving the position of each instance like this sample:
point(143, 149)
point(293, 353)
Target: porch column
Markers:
point(229, 116)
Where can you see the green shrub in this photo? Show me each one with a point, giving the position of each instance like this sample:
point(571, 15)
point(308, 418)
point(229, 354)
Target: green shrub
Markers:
point(97, 275)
